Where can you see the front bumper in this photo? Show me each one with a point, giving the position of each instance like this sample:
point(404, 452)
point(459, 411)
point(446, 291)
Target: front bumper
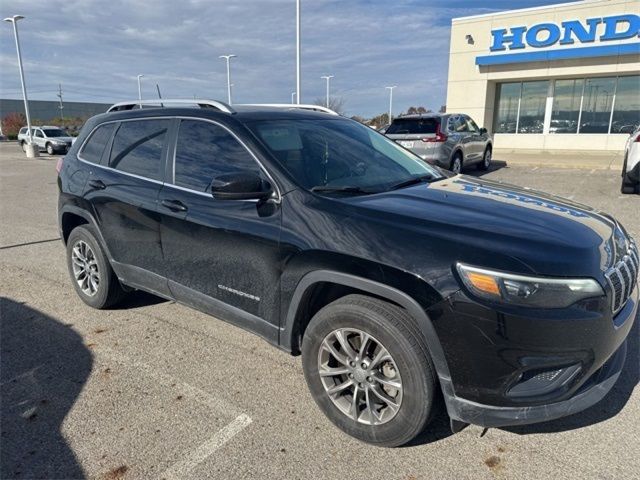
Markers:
point(489, 353)
point(493, 416)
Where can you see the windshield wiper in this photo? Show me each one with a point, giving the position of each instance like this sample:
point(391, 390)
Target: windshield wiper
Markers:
point(413, 181)
point(343, 189)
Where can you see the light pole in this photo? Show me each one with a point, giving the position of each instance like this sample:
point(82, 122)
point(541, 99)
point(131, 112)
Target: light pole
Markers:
point(31, 150)
point(298, 73)
point(228, 58)
point(390, 101)
point(293, 97)
point(140, 90)
point(327, 78)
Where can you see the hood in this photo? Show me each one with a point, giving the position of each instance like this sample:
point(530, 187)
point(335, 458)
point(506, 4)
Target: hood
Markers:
point(547, 234)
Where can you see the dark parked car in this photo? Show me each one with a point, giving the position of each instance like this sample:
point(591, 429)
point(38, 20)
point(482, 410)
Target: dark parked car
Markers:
point(396, 281)
point(449, 140)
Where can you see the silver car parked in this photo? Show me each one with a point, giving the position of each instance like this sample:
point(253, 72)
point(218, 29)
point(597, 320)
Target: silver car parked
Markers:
point(449, 140)
point(48, 138)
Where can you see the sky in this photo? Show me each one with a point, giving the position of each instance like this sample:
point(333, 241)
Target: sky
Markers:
point(96, 48)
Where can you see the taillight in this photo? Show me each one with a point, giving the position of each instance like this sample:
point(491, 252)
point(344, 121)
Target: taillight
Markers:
point(59, 164)
point(439, 138)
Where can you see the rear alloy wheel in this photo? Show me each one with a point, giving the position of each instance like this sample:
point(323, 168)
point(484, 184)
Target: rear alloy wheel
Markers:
point(456, 163)
point(93, 278)
point(50, 149)
point(23, 145)
point(369, 371)
point(486, 160)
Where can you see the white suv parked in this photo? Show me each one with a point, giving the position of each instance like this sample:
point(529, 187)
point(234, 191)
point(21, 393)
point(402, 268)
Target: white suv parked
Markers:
point(48, 138)
point(631, 168)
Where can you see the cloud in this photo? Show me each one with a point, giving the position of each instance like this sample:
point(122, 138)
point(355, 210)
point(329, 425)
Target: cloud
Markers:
point(95, 49)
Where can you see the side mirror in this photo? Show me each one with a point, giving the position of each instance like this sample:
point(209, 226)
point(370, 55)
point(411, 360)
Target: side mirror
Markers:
point(483, 131)
point(240, 185)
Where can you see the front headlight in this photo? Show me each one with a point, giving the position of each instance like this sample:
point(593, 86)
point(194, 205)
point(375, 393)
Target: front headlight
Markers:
point(526, 291)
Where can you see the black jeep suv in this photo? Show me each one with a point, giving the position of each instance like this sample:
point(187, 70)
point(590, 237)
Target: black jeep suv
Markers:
point(398, 282)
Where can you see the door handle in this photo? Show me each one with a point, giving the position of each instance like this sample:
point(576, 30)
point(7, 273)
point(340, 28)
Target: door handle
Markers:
point(97, 184)
point(174, 205)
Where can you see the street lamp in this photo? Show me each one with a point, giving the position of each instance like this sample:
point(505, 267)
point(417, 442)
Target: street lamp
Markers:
point(390, 100)
point(140, 90)
point(31, 150)
point(227, 58)
point(298, 59)
point(327, 78)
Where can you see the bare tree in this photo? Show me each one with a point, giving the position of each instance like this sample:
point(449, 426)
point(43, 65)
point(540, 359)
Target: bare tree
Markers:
point(335, 103)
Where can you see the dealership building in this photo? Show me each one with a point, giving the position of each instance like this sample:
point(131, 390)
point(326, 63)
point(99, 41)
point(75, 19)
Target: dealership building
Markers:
point(561, 78)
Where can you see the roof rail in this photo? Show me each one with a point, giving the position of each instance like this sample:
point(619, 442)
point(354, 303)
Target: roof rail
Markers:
point(301, 106)
point(130, 105)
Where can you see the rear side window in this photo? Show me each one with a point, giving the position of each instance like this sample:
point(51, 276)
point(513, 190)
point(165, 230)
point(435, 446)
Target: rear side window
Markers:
point(23, 130)
point(205, 150)
point(413, 126)
point(457, 124)
point(92, 150)
point(137, 148)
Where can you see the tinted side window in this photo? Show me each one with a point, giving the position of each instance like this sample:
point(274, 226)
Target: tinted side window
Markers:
point(204, 151)
point(39, 134)
point(457, 124)
point(23, 130)
point(137, 147)
point(92, 150)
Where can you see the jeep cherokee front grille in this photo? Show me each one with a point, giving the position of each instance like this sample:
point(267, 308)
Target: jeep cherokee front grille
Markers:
point(623, 276)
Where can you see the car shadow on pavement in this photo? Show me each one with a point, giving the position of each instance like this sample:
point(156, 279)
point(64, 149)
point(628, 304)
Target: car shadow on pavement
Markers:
point(138, 299)
point(608, 407)
point(495, 165)
point(44, 366)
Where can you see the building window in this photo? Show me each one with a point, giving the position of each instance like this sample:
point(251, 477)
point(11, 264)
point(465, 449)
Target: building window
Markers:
point(565, 114)
point(520, 107)
point(596, 105)
point(533, 101)
point(626, 110)
point(508, 98)
point(592, 105)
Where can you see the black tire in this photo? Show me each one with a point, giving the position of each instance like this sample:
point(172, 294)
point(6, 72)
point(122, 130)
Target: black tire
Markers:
point(486, 159)
point(50, 149)
point(393, 328)
point(457, 159)
point(628, 185)
point(23, 146)
point(108, 291)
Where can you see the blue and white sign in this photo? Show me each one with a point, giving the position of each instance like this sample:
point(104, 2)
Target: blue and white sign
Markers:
point(549, 41)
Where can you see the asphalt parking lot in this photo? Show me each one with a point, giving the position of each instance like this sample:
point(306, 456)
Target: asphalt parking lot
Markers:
point(157, 390)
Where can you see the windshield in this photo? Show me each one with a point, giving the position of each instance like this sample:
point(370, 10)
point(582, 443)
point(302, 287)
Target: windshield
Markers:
point(54, 132)
point(413, 125)
point(339, 153)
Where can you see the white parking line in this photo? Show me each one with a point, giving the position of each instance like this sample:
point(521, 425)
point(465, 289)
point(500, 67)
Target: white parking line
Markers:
point(181, 468)
point(191, 391)
point(534, 169)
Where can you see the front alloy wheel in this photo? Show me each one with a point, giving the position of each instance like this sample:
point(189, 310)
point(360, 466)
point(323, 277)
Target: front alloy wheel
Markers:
point(50, 149)
point(369, 370)
point(486, 160)
point(360, 376)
